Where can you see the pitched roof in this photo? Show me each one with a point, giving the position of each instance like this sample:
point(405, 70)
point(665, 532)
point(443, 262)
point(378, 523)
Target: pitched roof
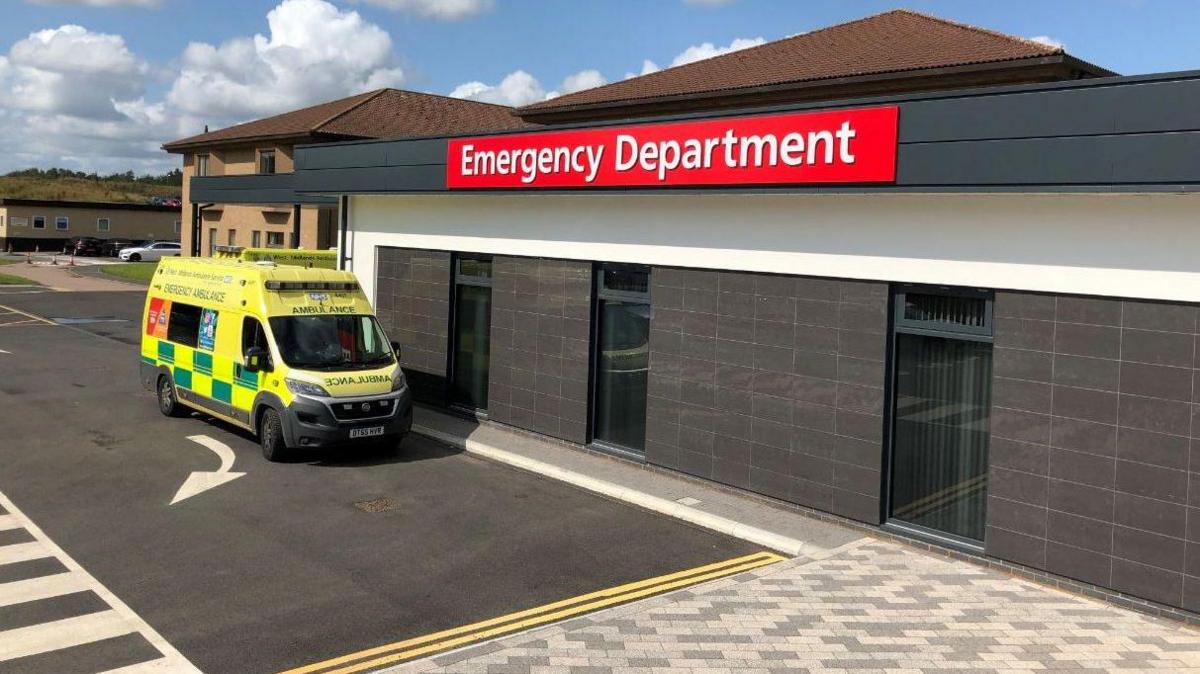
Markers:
point(895, 41)
point(384, 113)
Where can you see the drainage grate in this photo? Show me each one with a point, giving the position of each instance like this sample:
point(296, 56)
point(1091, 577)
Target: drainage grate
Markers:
point(379, 505)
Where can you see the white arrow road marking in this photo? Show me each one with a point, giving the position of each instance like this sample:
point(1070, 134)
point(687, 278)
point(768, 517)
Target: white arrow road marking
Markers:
point(8, 352)
point(201, 481)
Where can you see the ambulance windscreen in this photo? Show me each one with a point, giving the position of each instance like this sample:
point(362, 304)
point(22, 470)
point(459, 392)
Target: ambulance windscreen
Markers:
point(331, 342)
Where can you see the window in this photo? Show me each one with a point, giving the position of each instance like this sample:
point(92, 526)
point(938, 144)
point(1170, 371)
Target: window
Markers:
point(472, 315)
point(183, 327)
point(231, 238)
point(201, 165)
point(942, 381)
point(62, 223)
point(39, 222)
point(256, 239)
point(274, 239)
point(16, 221)
point(622, 356)
point(266, 161)
point(212, 241)
point(102, 224)
point(178, 225)
point(253, 335)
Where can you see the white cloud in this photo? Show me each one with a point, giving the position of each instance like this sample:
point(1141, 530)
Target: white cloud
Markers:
point(516, 89)
point(100, 3)
point(446, 10)
point(707, 50)
point(1048, 41)
point(80, 99)
point(314, 52)
point(520, 88)
point(648, 67)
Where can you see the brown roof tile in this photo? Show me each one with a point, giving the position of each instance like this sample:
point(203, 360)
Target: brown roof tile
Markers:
point(894, 41)
point(384, 113)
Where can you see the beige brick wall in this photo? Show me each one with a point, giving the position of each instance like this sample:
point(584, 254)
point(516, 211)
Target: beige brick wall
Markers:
point(316, 224)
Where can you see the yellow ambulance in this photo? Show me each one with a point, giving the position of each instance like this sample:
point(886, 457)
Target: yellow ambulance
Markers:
point(293, 354)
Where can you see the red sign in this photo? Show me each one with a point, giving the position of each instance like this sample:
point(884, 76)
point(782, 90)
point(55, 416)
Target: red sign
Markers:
point(841, 146)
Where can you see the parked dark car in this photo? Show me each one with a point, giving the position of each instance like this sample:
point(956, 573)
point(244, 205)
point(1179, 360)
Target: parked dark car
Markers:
point(82, 245)
point(111, 247)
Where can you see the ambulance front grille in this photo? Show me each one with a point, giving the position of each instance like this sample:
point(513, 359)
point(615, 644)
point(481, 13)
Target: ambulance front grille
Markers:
point(362, 409)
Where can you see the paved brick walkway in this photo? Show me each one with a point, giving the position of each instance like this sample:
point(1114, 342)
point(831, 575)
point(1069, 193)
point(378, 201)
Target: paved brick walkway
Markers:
point(869, 605)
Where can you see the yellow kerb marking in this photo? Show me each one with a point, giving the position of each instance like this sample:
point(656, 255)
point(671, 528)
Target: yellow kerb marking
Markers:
point(540, 615)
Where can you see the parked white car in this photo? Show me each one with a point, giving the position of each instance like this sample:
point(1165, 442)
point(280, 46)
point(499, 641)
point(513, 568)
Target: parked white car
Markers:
point(150, 252)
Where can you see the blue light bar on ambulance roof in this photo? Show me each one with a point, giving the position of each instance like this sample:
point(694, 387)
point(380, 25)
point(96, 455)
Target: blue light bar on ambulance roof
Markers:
point(311, 285)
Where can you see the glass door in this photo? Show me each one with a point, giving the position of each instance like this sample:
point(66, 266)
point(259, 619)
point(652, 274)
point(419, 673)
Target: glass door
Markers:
point(940, 420)
point(622, 357)
point(471, 348)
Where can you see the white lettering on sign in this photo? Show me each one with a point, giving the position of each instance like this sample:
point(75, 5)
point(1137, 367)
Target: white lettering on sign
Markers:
point(529, 163)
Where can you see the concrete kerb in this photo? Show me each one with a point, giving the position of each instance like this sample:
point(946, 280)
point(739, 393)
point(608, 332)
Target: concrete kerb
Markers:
point(784, 544)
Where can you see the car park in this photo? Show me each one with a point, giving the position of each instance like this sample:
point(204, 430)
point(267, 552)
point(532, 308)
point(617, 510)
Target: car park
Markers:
point(82, 245)
point(111, 247)
point(150, 252)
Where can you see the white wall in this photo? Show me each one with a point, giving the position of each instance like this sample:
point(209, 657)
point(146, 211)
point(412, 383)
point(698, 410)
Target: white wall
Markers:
point(1143, 246)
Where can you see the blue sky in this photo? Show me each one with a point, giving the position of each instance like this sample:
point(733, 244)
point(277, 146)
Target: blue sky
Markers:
point(104, 95)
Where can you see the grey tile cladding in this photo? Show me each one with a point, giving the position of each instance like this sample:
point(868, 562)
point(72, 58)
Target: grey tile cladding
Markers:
point(541, 326)
point(1092, 442)
point(770, 383)
point(413, 304)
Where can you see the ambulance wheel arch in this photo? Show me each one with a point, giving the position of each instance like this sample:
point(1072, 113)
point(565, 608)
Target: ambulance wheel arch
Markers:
point(265, 400)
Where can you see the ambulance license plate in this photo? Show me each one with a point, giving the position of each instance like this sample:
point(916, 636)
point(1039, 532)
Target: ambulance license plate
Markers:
point(366, 432)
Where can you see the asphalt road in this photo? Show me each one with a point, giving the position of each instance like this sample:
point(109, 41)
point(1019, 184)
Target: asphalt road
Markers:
point(280, 568)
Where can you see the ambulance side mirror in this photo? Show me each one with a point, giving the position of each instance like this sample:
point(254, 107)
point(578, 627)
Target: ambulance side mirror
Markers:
point(257, 359)
point(396, 349)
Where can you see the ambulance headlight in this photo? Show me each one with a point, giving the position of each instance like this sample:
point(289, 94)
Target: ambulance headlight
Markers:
point(305, 388)
point(398, 381)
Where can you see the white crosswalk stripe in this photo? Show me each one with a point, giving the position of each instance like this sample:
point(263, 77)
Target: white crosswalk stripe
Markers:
point(69, 631)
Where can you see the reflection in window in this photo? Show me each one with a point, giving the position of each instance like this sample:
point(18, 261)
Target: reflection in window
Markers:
point(623, 356)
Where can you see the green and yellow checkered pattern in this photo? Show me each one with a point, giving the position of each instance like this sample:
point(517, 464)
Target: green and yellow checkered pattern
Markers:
point(205, 374)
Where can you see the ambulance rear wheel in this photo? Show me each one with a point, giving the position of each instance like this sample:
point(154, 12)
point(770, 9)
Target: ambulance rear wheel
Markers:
point(270, 435)
point(168, 404)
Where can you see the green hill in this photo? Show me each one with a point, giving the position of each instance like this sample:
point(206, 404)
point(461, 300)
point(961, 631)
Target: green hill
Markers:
point(57, 184)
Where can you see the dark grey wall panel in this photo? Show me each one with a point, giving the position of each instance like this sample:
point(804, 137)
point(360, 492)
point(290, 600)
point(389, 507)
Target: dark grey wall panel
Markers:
point(1123, 134)
point(541, 324)
point(1092, 438)
point(770, 383)
point(412, 289)
point(277, 188)
point(426, 178)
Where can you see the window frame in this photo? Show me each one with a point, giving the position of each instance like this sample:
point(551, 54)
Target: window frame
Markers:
point(172, 333)
point(256, 239)
point(282, 240)
point(201, 164)
point(178, 225)
point(62, 223)
point(38, 218)
point(263, 155)
point(212, 241)
point(107, 224)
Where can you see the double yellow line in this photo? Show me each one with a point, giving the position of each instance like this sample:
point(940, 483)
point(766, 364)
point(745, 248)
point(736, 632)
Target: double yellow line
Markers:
point(460, 636)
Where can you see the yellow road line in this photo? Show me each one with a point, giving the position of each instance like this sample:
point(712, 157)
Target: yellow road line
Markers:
point(514, 622)
point(28, 315)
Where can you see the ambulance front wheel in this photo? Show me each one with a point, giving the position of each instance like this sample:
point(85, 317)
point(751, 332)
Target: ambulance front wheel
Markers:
point(270, 435)
point(168, 404)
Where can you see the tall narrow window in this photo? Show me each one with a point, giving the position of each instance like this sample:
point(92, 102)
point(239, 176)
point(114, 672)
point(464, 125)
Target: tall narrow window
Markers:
point(256, 239)
point(622, 356)
point(212, 241)
point(231, 237)
point(472, 331)
point(941, 415)
point(266, 161)
point(201, 165)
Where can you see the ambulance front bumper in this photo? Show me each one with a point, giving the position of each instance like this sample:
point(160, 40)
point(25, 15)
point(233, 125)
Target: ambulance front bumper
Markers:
point(312, 422)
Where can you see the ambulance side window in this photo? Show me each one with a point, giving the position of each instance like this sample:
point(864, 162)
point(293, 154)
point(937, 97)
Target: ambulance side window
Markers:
point(184, 324)
point(253, 335)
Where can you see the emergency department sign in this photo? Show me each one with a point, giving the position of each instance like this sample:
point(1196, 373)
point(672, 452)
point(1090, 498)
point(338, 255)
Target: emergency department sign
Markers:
point(840, 146)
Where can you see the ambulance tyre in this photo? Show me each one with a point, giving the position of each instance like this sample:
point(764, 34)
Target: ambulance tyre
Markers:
point(168, 404)
point(270, 435)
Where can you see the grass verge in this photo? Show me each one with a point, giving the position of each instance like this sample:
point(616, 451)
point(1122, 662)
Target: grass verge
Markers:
point(139, 272)
point(10, 280)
